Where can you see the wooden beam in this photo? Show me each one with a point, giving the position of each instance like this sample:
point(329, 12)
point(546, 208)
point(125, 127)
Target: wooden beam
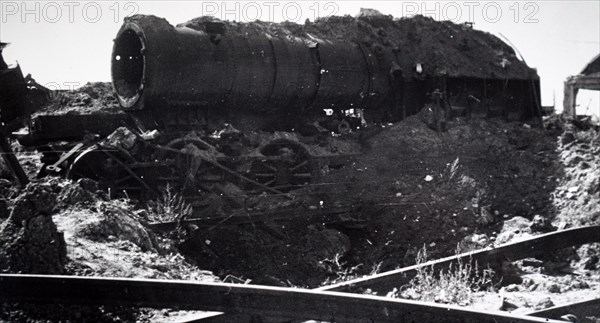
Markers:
point(569, 100)
point(290, 303)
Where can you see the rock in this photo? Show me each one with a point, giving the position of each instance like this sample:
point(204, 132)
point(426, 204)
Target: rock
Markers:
point(543, 303)
point(512, 288)
point(73, 194)
point(590, 262)
point(467, 182)
point(88, 184)
point(567, 138)
point(510, 273)
point(121, 138)
point(541, 224)
point(29, 240)
point(486, 216)
point(552, 287)
point(527, 282)
point(473, 242)
point(532, 262)
point(36, 199)
point(513, 229)
point(578, 284)
point(507, 306)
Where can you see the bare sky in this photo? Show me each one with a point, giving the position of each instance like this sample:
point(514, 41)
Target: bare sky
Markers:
point(68, 43)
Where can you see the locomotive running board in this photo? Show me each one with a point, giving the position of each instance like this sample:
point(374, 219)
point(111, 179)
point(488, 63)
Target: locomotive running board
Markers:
point(291, 303)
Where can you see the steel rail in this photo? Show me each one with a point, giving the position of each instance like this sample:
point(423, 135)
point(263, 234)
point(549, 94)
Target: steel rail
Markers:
point(538, 245)
point(292, 303)
point(535, 246)
point(582, 310)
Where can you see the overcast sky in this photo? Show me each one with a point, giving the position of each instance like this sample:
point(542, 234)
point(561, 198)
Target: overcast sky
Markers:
point(65, 43)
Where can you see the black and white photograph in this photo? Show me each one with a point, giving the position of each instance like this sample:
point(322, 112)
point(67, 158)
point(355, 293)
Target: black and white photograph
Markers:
point(299, 161)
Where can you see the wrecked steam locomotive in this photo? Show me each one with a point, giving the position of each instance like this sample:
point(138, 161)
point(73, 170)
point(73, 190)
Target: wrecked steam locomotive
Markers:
point(177, 86)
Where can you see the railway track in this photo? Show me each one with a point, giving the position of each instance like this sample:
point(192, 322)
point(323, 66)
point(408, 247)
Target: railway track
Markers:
point(329, 303)
point(279, 302)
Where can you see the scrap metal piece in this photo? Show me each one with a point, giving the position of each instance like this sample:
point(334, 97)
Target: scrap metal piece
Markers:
point(55, 168)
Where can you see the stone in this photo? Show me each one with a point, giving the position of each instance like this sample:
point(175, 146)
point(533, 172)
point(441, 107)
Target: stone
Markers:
point(73, 194)
point(578, 284)
point(543, 303)
point(88, 184)
point(590, 262)
point(552, 288)
point(532, 262)
point(541, 224)
point(512, 288)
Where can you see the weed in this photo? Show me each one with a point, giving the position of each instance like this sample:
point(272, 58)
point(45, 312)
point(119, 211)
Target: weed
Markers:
point(170, 206)
point(456, 285)
point(338, 270)
point(453, 169)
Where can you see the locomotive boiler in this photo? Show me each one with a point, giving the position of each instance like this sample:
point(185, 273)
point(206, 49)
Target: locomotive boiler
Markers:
point(262, 68)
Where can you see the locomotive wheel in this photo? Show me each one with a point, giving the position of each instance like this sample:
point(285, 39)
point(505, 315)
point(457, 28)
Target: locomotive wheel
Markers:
point(191, 168)
point(287, 164)
point(95, 164)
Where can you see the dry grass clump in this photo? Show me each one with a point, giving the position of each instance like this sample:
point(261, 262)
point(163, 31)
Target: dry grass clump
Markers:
point(456, 285)
point(170, 206)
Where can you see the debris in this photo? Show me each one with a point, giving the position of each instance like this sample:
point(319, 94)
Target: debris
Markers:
point(121, 138)
point(150, 135)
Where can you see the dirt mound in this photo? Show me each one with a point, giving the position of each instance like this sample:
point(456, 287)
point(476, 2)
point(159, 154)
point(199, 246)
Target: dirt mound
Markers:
point(434, 188)
point(439, 46)
point(111, 220)
point(29, 240)
point(97, 97)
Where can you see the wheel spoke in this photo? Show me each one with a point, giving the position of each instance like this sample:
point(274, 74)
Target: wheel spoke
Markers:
point(121, 180)
point(271, 167)
point(302, 164)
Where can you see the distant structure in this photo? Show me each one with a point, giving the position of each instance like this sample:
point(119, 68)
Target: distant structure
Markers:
point(588, 79)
